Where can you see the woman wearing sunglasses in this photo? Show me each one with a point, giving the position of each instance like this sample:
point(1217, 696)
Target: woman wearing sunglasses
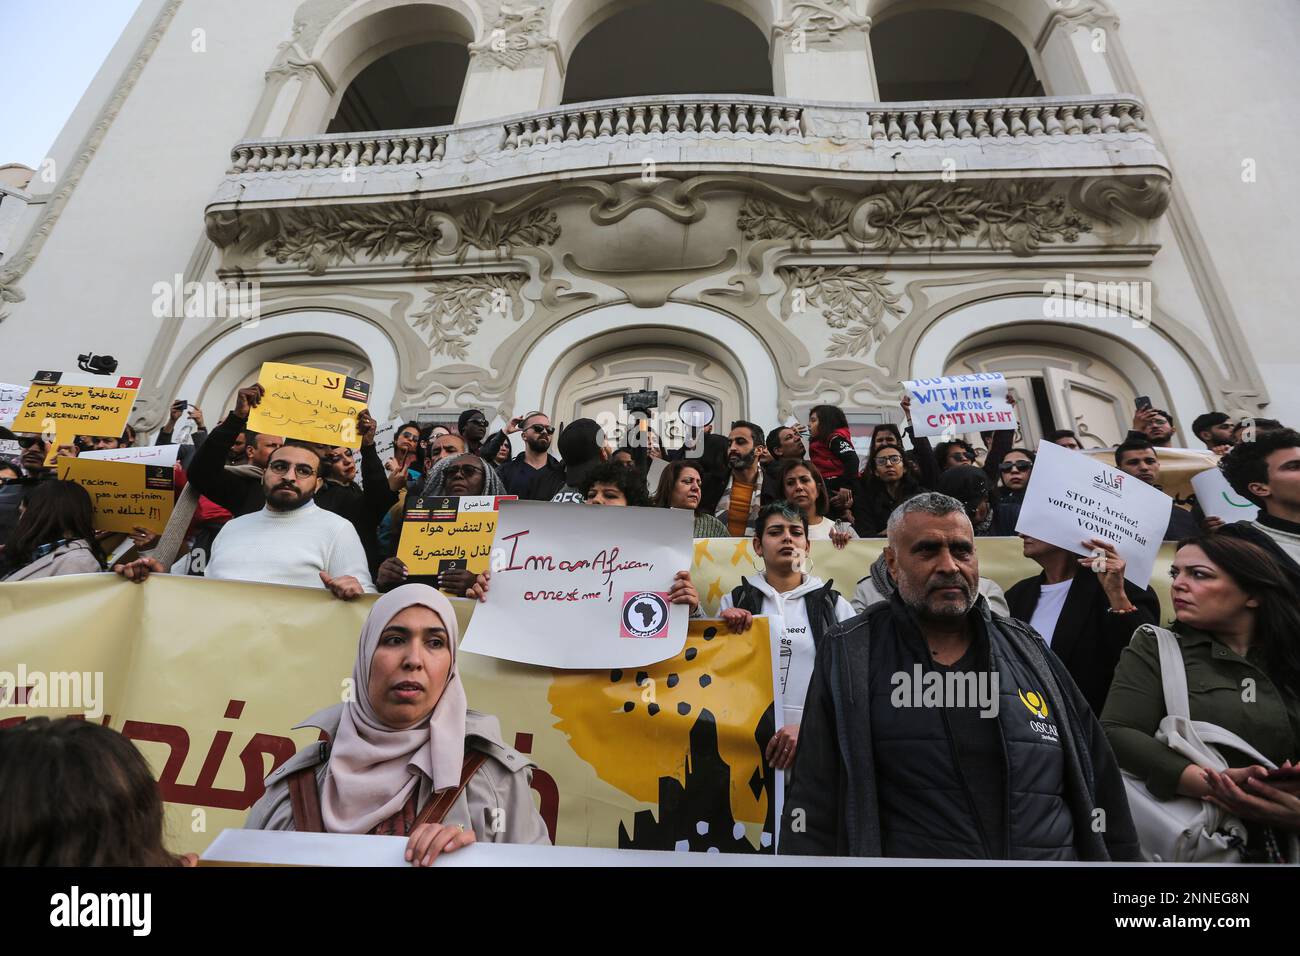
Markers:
point(1014, 471)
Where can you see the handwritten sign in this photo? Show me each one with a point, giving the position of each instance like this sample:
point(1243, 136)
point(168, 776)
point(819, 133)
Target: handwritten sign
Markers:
point(443, 533)
point(1218, 500)
point(584, 587)
point(309, 404)
point(123, 494)
point(11, 402)
point(960, 403)
point(1072, 497)
point(73, 404)
point(10, 448)
point(164, 455)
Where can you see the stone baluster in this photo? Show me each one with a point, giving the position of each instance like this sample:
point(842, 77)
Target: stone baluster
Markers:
point(638, 120)
point(240, 159)
point(1127, 123)
point(512, 136)
point(1070, 120)
point(623, 126)
point(742, 118)
point(982, 124)
point(589, 124)
point(911, 131)
point(1034, 122)
point(706, 123)
point(928, 129)
point(411, 151)
point(656, 118)
point(692, 123)
point(606, 123)
point(1017, 123)
point(964, 130)
point(674, 122)
point(999, 123)
point(946, 129)
point(1109, 122)
point(426, 150)
point(367, 154)
point(1052, 115)
point(1090, 122)
point(439, 148)
point(895, 133)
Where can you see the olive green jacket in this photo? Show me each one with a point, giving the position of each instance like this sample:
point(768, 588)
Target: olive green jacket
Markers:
point(1218, 692)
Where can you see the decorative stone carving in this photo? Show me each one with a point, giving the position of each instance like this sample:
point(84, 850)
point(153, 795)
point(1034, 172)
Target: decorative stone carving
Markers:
point(457, 306)
point(519, 29)
point(1109, 199)
point(1017, 216)
point(310, 20)
point(851, 299)
point(820, 21)
point(318, 237)
point(1084, 13)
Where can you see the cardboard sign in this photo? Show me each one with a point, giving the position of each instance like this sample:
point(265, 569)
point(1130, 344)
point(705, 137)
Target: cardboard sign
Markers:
point(11, 402)
point(450, 532)
point(309, 404)
point(124, 495)
point(589, 585)
point(1218, 500)
point(1072, 498)
point(164, 455)
point(957, 404)
point(69, 404)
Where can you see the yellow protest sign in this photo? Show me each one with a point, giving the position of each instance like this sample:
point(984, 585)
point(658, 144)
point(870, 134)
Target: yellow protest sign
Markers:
point(124, 495)
point(309, 404)
point(70, 405)
point(439, 534)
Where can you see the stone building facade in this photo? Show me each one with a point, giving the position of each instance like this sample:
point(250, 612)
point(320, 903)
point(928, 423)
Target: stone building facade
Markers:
point(550, 203)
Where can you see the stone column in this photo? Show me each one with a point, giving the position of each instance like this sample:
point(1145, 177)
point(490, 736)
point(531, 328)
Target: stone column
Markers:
point(821, 51)
point(514, 68)
point(1075, 49)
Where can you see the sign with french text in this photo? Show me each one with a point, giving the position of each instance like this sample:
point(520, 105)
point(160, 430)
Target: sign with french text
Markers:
point(957, 404)
point(309, 404)
point(68, 404)
point(124, 495)
point(589, 585)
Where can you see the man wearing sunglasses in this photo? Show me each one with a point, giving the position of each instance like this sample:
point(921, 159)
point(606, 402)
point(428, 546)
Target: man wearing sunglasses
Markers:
point(520, 473)
point(289, 541)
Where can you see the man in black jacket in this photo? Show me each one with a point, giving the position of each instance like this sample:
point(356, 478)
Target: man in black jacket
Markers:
point(363, 506)
point(933, 729)
point(238, 489)
point(1084, 609)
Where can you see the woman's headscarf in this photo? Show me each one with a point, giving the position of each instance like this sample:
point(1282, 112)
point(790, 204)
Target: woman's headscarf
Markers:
point(372, 767)
point(433, 485)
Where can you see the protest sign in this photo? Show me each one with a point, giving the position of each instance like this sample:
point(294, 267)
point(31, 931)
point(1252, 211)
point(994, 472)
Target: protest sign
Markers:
point(62, 405)
point(385, 436)
point(439, 534)
point(1072, 497)
point(956, 404)
point(11, 402)
point(124, 495)
point(1218, 500)
point(9, 448)
point(164, 455)
point(592, 586)
point(309, 404)
point(1177, 468)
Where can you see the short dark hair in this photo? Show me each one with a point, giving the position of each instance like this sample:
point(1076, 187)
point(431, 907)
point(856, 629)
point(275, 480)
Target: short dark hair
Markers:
point(1203, 423)
point(94, 802)
point(1248, 462)
point(1169, 418)
point(782, 509)
point(789, 465)
point(1058, 434)
point(312, 447)
point(941, 450)
point(1136, 444)
point(755, 432)
point(628, 481)
point(663, 497)
point(773, 439)
point(1023, 451)
point(830, 418)
point(580, 442)
point(405, 425)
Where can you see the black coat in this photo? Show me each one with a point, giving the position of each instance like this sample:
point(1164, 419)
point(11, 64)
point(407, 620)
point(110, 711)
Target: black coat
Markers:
point(1088, 639)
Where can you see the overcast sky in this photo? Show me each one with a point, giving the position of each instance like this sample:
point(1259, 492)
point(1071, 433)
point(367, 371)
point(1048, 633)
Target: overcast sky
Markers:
point(50, 50)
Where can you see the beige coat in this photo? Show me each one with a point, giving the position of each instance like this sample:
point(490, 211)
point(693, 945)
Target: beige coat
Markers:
point(72, 558)
point(497, 803)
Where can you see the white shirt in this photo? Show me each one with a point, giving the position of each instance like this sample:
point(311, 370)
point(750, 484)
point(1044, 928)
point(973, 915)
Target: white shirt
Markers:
point(289, 547)
point(793, 652)
point(821, 531)
point(1051, 600)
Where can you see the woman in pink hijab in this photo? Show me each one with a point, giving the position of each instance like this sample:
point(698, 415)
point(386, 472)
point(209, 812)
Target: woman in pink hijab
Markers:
point(408, 757)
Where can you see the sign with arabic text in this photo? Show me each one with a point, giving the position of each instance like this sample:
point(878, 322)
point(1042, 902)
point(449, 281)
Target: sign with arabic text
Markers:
point(309, 404)
point(439, 534)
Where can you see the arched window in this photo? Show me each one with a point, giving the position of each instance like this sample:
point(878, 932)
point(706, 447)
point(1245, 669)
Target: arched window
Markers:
point(945, 55)
point(669, 47)
point(410, 88)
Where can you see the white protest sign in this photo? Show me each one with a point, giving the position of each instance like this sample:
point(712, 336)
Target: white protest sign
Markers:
point(385, 436)
point(584, 586)
point(9, 448)
point(11, 401)
point(143, 455)
point(1072, 498)
point(1218, 500)
point(958, 404)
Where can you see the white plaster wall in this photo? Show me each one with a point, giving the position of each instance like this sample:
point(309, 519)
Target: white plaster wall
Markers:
point(1220, 80)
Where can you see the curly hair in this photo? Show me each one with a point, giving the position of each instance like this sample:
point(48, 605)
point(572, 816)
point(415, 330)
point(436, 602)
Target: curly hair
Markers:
point(1247, 463)
point(625, 480)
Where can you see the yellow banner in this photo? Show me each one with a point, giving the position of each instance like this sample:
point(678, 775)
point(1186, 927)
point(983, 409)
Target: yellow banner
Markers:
point(208, 677)
point(124, 495)
point(77, 409)
point(443, 533)
point(309, 404)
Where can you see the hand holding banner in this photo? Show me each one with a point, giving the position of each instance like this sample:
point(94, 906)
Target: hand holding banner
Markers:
point(960, 403)
point(309, 404)
point(591, 583)
point(124, 495)
point(1072, 498)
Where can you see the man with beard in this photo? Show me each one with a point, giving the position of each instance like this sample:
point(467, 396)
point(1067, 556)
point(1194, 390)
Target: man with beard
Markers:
point(746, 491)
point(934, 729)
point(290, 541)
point(521, 473)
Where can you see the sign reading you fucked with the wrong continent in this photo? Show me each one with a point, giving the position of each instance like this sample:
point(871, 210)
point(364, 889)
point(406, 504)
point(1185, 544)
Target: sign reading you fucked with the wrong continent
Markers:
point(957, 404)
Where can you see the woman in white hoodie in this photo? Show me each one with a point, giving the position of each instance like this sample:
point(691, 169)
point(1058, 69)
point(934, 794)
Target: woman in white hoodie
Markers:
point(800, 609)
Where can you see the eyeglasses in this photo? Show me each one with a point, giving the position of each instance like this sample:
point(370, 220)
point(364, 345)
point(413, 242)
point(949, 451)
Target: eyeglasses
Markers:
point(281, 467)
point(461, 471)
point(889, 460)
point(1015, 466)
point(542, 429)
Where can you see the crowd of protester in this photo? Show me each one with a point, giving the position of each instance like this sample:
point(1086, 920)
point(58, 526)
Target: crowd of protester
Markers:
point(867, 776)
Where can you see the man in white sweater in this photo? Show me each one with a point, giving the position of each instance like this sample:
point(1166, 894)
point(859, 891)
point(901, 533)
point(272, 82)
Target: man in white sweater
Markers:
point(290, 541)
